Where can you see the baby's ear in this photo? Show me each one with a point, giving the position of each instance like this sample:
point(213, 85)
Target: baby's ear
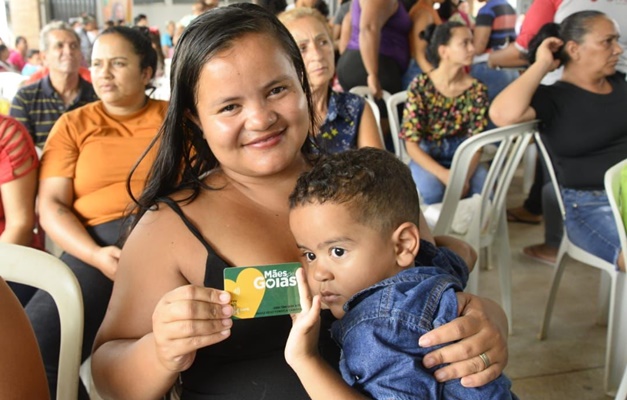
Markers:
point(406, 244)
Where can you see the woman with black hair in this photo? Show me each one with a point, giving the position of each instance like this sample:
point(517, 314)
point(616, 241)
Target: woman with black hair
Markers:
point(583, 120)
point(237, 136)
point(444, 107)
point(83, 191)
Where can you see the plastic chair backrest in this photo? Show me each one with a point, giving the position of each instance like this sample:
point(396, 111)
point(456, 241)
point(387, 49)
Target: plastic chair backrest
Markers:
point(10, 83)
point(549, 166)
point(613, 187)
point(511, 142)
point(46, 272)
point(392, 104)
point(364, 92)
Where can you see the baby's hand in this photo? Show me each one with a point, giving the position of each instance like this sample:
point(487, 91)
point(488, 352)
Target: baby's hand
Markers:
point(302, 343)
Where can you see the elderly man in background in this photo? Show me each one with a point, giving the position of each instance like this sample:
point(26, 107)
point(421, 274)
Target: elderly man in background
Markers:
point(39, 105)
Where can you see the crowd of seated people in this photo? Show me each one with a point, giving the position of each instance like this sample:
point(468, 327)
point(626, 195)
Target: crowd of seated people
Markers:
point(203, 162)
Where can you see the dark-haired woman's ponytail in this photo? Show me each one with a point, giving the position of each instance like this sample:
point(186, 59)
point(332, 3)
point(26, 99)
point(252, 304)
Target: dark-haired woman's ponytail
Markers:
point(548, 30)
point(427, 33)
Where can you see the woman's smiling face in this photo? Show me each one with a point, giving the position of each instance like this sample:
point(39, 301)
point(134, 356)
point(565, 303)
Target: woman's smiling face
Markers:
point(252, 108)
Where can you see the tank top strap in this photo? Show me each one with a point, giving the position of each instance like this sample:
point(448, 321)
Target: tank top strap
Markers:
point(192, 228)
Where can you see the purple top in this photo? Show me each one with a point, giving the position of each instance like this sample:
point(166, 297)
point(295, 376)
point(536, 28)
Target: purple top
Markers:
point(394, 34)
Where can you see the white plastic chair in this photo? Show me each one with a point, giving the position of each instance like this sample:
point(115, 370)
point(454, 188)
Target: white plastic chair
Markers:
point(607, 290)
point(487, 223)
point(392, 103)
point(364, 92)
point(43, 271)
point(10, 83)
point(618, 353)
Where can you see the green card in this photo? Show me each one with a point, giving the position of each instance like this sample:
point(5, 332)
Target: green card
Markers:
point(263, 291)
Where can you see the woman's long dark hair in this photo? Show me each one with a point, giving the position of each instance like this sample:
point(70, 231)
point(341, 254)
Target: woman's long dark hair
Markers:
point(573, 28)
point(183, 156)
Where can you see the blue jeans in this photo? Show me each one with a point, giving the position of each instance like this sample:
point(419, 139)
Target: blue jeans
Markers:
point(429, 186)
point(495, 79)
point(412, 71)
point(590, 223)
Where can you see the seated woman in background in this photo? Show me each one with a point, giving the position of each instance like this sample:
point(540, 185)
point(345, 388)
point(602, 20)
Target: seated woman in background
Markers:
point(344, 120)
point(83, 194)
point(18, 188)
point(583, 119)
point(443, 109)
point(235, 140)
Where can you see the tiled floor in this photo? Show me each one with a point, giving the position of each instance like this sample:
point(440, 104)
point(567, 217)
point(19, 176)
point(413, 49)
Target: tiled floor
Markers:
point(569, 363)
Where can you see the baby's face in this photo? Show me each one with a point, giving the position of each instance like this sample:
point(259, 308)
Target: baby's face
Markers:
point(35, 60)
point(341, 255)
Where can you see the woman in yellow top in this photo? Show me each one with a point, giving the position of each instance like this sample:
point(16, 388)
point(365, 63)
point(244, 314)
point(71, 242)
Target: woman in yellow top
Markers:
point(82, 194)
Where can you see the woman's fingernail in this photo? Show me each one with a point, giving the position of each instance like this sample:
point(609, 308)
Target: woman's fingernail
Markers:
point(227, 311)
point(424, 342)
point(428, 362)
point(227, 322)
point(224, 297)
point(440, 375)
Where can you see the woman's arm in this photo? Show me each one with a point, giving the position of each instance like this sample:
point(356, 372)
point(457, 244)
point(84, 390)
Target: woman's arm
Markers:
point(56, 197)
point(18, 202)
point(374, 14)
point(421, 21)
point(345, 33)
point(156, 320)
point(420, 157)
point(508, 57)
point(368, 135)
point(481, 37)
point(513, 104)
point(480, 328)
point(18, 182)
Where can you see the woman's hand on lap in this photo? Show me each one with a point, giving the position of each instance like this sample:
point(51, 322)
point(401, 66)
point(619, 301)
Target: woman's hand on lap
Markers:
point(106, 260)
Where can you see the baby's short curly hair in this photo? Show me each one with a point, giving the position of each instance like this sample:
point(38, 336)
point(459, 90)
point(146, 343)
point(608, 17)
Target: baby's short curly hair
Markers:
point(376, 187)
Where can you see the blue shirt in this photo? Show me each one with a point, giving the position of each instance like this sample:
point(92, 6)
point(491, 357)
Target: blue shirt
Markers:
point(379, 333)
point(340, 128)
point(166, 40)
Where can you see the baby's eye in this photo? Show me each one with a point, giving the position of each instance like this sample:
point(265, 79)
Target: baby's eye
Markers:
point(338, 251)
point(309, 256)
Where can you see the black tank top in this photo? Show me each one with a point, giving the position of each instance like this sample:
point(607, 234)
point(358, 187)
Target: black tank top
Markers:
point(249, 365)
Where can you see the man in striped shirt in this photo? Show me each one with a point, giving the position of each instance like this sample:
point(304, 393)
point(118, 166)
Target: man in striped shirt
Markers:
point(38, 106)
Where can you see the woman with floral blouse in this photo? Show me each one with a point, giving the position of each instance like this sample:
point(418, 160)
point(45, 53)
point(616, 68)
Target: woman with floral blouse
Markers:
point(444, 107)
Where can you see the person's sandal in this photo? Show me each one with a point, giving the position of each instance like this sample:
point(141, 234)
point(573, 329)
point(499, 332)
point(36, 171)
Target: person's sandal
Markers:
point(538, 252)
point(519, 214)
